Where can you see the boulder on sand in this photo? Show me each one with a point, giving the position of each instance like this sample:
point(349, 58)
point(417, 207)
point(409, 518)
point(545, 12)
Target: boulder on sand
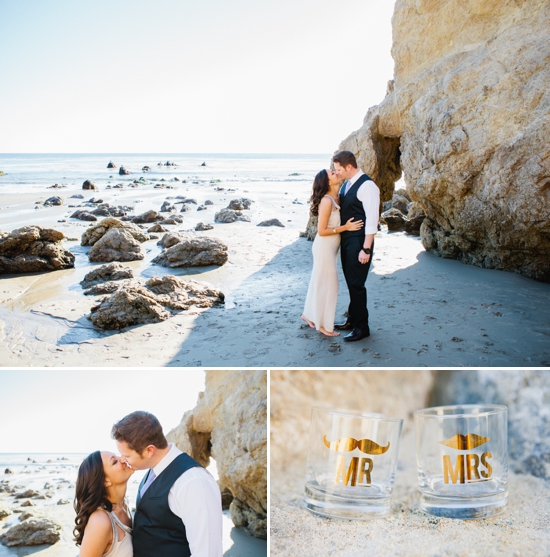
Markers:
point(229, 215)
point(138, 302)
point(110, 272)
point(148, 217)
point(33, 249)
point(191, 250)
point(94, 233)
point(117, 244)
point(89, 185)
point(33, 532)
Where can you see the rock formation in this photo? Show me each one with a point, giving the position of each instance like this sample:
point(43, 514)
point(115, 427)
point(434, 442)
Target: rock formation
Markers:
point(229, 423)
point(33, 532)
point(105, 273)
point(271, 222)
point(147, 217)
point(95, 233)
point(240, 204)
point(117, 244)
point(467, 118)
point(229, 215)
point(191, 250)
point(33, 249)
point(89, 185)
point(136, 302)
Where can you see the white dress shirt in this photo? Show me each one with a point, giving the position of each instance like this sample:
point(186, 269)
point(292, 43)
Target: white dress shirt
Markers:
point(195, 497)
point(369, 195)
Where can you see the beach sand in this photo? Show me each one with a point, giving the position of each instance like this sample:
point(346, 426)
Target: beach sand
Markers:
point(236, 542)
point(424, 310)
point(523, 530)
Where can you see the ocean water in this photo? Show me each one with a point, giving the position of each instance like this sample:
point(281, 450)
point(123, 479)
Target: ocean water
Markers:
point(25, 172)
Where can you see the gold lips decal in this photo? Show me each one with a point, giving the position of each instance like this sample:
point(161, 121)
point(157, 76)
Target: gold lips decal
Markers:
point(348, 444)
point(464, 442)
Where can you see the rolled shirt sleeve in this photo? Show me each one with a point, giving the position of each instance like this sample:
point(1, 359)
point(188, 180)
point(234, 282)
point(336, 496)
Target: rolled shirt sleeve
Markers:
point(195, 497)
point(369, 195)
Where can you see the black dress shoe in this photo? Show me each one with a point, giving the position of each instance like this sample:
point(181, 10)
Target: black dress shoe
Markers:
point(357, 334)
point(344, 326)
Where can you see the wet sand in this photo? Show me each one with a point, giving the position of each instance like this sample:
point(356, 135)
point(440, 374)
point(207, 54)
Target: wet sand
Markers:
point(424, 311)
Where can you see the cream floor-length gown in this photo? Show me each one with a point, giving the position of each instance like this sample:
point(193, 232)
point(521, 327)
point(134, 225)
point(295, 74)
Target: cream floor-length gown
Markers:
point(322, 294)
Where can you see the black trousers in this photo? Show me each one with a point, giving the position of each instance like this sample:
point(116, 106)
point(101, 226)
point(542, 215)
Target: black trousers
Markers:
point(355, 274)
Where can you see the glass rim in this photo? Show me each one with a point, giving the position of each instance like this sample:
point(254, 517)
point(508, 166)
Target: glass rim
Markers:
point(489, 409)
point(356, 414)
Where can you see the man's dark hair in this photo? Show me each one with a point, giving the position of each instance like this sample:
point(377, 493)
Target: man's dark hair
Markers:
point(139, 430)
point(343, 158)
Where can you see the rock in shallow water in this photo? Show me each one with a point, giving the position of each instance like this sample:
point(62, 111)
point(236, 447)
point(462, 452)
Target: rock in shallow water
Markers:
point(111, 272)
point(33, 532)
point(33, 249)
point(138, 302)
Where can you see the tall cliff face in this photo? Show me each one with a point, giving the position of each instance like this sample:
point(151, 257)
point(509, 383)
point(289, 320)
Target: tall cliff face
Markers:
point(229, 424)
point(467, 119)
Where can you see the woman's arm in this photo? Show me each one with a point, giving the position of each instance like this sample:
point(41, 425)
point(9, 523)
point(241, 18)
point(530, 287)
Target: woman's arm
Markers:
point(325, 207)
point(98, 535)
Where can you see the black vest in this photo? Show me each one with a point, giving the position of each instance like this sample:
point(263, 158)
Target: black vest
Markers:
point(157, 530)
point(350, 207)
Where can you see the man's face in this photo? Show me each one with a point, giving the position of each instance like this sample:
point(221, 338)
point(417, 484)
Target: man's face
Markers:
point(134, 459)
point(344, 172)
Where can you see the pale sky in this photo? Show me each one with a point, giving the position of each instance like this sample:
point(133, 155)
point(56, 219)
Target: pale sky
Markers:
point(184, 76)
point(73, 411)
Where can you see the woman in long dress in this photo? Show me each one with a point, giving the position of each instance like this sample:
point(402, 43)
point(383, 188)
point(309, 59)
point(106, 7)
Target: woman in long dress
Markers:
point(103, 520)
point(322, 294)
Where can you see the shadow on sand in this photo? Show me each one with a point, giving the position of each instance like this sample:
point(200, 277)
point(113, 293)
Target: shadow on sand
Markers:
point(424, 311)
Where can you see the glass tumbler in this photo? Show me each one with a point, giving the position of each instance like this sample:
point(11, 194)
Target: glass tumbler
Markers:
point(351, 463)
point(462, 457)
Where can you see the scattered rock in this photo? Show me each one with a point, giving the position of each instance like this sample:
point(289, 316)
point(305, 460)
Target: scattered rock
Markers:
point(117, 244)
point(394, 219)
point(157, 228)
point(111, 165)
point(122, 171)
point(148, 217)
point(185, 208)
point(77, 196)
point(172, 220)
point(272, 222)
point(28, 503)
point(138, 302)
point(8, 471)
point(106, 273)
point(83, 215)
point(202, 226)
point(146, 169)
point(202, 208)
point(88, 185)
point(4, 511)
point(167, 207)
point(33, 532)
point(94, 233)
point(33, 249)
point(229, 215)
point(190, 250)
point(311, 229)
point(27, 494)
point(55, 187)
point(209, 202)
point(63, 502)
point(240, 204)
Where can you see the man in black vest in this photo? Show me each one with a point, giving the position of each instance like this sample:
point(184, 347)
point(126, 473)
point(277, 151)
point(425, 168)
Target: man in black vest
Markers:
point(178, 509)
point(360, 199)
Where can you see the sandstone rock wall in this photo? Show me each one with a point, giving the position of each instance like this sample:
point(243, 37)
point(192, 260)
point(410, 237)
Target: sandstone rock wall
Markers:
point(397, 394)
point(294, 392)
point(467, 119)
point(229, 423)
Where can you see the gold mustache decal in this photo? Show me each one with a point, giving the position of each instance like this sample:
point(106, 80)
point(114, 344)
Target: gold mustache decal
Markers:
point(347, 444)
point(464, 442)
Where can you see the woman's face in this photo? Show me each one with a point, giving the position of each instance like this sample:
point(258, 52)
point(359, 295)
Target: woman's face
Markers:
point(333, 178)
point(116, 471)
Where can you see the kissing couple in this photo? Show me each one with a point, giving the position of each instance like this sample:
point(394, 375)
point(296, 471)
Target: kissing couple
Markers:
point(178, 509)
point(347, 204)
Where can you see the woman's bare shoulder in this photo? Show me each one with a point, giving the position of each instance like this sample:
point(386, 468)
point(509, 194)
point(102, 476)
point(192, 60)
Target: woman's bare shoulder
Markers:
point(99, 520)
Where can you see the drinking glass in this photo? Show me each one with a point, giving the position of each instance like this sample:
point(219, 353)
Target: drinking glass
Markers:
point(351, 463)
point(462, 458)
